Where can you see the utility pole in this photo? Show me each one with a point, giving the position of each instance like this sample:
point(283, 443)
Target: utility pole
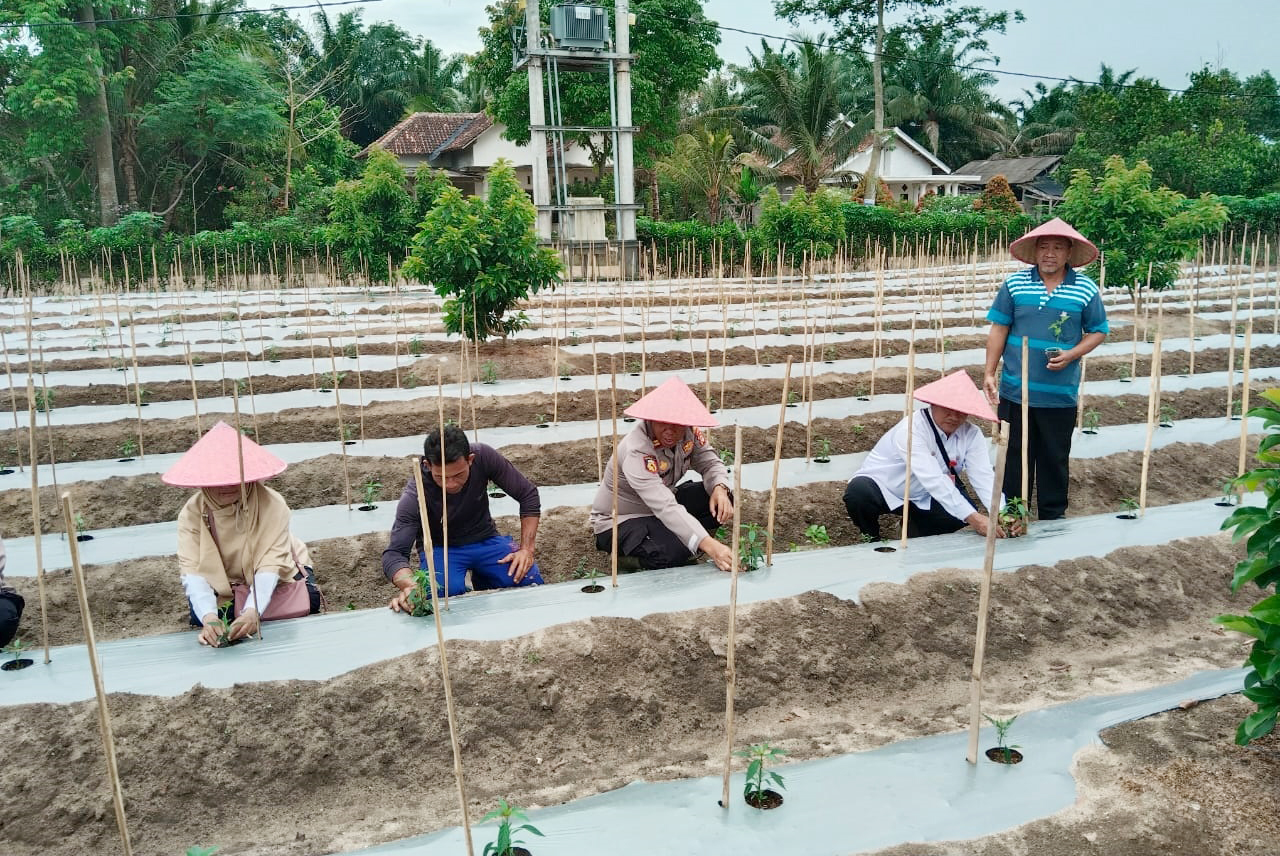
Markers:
point(537, 119)
point(623, 159)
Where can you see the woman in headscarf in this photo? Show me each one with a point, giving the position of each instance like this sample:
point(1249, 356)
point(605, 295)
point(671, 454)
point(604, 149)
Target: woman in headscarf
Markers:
point(238, 561)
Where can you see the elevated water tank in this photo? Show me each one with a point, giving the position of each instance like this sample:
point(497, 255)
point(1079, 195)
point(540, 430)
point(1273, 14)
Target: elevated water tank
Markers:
point(577, 26)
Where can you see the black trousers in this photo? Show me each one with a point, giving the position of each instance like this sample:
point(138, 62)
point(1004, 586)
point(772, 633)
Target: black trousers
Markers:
point(865, 503)
point(652, 543)
point(10, 611)
point(1048, 456)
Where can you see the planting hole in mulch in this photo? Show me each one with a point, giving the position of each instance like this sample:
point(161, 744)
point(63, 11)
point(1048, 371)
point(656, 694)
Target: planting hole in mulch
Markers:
point(1128, 515)
point(886, 549)
point(348, 442)
point(764, 801)
point(5, 471)
point(593, 589)
point(633, 419)
point(322, 389)
point(84, 537)
point(543, 425)
point(1090, 431)
point(822, 460)
point(15, 665)
point(123, 460)
point(995, 753)
point(367, 508)
point(496, 494)
point(1224, 503)
point(1166, 424)
point(565, 377)
point(864, 398)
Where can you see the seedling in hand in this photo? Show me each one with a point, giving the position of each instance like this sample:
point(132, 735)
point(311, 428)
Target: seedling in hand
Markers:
point(1013, 516)
point(1055, 327)
point(506, 814)
point(756, 789)
point(420, 595)
point(223, 625)
point(1003, 727)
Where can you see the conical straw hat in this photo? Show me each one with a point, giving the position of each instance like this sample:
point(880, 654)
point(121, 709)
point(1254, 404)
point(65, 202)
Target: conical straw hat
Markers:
point(1082, 249)
point(214, 462)
point(673, 402)
point(957, 392)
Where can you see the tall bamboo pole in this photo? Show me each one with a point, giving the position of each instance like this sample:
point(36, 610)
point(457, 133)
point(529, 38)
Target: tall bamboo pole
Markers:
point(342, 431)
point(1244, 390)
point(444, 493)
point(195, 395)
point(730, 669)
point(1153, 397)
point(909, 415)
point(137, 387)
point(429, 552)
point(984, 597)
point(613, 400)
point(777, 462)
point(1231, 348)
point(35, 514)
point(13, 398)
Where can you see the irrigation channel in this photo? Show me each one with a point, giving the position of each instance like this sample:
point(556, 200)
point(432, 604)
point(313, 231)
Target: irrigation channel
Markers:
point(605, 714)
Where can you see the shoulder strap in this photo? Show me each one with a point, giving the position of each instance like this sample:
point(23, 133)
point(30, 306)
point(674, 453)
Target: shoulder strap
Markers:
point(942, 449)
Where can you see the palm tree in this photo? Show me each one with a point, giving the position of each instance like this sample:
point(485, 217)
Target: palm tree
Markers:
point(707, 164)
point(371, 70)
point(932, 94)
point(434, 80)
point(801, 99)
point(1042, 124)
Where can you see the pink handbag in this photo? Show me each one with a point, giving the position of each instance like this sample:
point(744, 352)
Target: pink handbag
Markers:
point(290, 600)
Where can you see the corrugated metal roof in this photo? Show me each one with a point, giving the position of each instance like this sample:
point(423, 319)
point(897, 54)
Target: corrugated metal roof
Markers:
point(1015, 170)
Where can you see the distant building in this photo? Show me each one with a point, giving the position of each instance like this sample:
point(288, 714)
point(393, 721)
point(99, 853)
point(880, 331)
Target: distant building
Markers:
point(907, 168)
point(466, 146)
point(1029, 178)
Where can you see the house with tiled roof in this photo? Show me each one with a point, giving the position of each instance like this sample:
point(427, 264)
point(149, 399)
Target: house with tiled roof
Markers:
point(907, 168)
point(466, 146)
point(1030, 178)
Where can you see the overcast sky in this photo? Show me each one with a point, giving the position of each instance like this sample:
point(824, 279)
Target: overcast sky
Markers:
point(1060, 38)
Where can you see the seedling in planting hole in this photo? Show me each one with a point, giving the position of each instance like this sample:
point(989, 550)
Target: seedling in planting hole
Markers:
point(541, 420)
point(634, 367)
point(1129, 507)
point(44, 400)
point(507, 813)
point(334, 379)
point(242, 385)
point(573, 338)
point(1003, 726)
point(297, 335)
point(1229, 495)
point(348, 433)
point(118, 363)
point(1013, 516)
point(824, 451)
point(416, 345)
point(1236, 406)
point(15, 649)
point(488, 372)
point(80, 523)
point(759, 777)
point(349, 351)
point(564, 370)
point(816, 533)
point(144, 394)
point(129, 448)
point(751, 546)
point(1092, 419)
point(420, 595)
point(533, 658)
point(793, 398)
point(726, 458)
point(1122, 373)
point(370, 491)
point(273, 354)
point(1167, 412)
point(223, 625)
point(829, 354)
point(495, 491)
point(858, 428)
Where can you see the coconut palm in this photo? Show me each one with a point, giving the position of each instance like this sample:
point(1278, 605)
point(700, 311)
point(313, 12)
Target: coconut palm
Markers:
point(800, 100)
point(707, 164)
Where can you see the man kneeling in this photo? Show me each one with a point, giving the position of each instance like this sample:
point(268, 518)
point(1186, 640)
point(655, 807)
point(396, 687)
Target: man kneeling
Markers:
point(943, 445)
point(495, 561)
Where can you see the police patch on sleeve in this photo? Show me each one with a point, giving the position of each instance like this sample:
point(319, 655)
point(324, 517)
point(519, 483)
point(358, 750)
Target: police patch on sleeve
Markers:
point(701, 436)
point(651, 464)
point(687, 448)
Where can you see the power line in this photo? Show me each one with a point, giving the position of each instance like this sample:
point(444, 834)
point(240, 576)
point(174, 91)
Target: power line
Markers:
point(34, 25)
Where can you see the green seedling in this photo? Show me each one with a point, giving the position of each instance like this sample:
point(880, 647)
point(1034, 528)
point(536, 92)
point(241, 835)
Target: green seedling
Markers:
point(297, 335)
point(1167, 413)
point(751, 546)
point(1129, 506)
point(1014, 516)
point(1003, 727)
point(1122, 373)
point(370, 491)
point(129, 448)
point(416, 345)
point(16, 648)
point(564, 370)
point(1055, 327)
point(420, 594)
point(143, 395)
point(118, 363)
point(334, 379)
point(793, 398)
point(507, 814)
point(760, 778)
point(223, 625)
point(858, 429)
point(272, 354)
point(44, 400)
point(489, 372)
point(726, 458)
point(533, 658)
point(349, 351)
point(80, 523)
point(541, 419)
point(348, 432)
point(824, 451)
point(242, 385)
point(410, 381)
point(574, 338)
point(829, 354)
point(634, 367)
point(816, 534)
point(1092, 419)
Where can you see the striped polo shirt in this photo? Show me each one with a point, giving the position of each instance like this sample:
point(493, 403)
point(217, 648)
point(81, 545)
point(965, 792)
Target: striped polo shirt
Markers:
point(1057, 320)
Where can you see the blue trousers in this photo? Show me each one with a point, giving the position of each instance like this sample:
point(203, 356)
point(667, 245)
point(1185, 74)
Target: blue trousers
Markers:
point(481, 559)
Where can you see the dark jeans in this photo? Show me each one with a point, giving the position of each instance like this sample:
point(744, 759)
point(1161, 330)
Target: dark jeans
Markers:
point(312, 590)
point(652, 543)
point(1048, 456)
point(865, 503)
point(11, 605)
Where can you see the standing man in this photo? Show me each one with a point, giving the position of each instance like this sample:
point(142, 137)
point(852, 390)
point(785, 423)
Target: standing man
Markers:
point(1058, 310)
point(495, 561)
point(661, 522)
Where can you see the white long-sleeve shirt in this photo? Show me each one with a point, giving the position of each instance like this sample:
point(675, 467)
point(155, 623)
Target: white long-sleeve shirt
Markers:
point(205, 601)
point(886, 465)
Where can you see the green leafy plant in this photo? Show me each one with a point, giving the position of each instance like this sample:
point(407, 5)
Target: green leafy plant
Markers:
point(859, 429)
point(760, 778)
point(333, 379)
point(350, 351)
point(348, 433)
point(634, 366)
point(1003, 727)
point(1055, 326)
point(751, 546)
point(1167, 413)
point(1092, 420)
point(1129, 505)
point(80, 523)
point(16, 648)
point(44, 400)
point(272, 354)
point(416, 345)
point(816, 534)
point(829, 354)
point(1122, 373)
point(488, 372)
point(420, 594)
point(1229, 494)
point(242, 385)
point(824, 451)
point(793, 398)
point(507, 814)
point(370, 490)
point(541, 419)
point(1261, 527)
point(1014, 515)
point(223, 625)
point(129, 448)
point(726, 457)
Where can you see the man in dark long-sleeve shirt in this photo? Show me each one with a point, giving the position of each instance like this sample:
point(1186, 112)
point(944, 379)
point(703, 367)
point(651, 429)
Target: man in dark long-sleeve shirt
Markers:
point(495, 561)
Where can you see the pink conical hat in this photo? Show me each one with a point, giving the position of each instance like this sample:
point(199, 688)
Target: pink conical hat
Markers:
point(958, 392)
point(214, 462)
point(1082, 249)
point(673, 402)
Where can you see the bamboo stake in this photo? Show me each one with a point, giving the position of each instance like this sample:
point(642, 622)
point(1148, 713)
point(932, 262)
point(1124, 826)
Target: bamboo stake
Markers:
point(104, 714)
point(252, 581)
point(48, 427)
point(708, 366)
point(777, 461)
point(195, 396)
point(444, 494)
point(1026, 424)
point(1244, 392)
point(355, 343)
point(1153, 396)
point(909, 415)
point(428, 552)
point(35, 515)
point(342, 431)
point(1084, 368)
point(137, 386)
point(595, 382)
point(613, 399)
point(730, 670)
point(13, 397)
point(1191, 328)
point(1231, 350)
point(984, 597)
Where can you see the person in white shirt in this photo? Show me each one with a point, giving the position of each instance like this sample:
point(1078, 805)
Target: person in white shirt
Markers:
point(943, 444)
